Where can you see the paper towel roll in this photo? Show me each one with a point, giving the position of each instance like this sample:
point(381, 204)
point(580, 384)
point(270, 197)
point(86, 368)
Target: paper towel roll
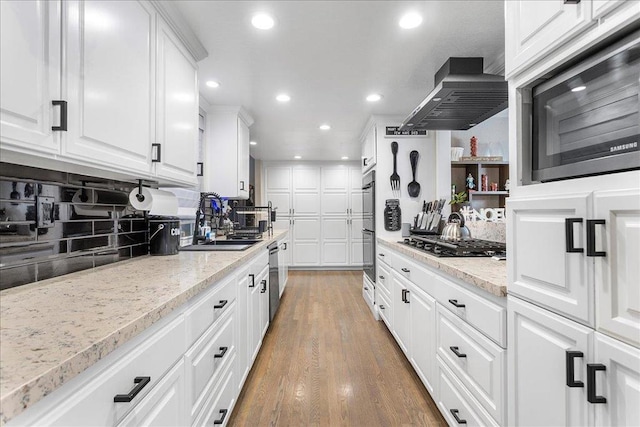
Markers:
point(157, 202)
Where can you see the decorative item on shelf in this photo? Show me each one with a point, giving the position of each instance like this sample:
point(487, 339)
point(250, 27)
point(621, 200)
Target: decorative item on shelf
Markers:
point(473, 146)
point(494, 186)
point(414, 186)
point(456, 153)
point(506, 185)
point(395, 178)
point(457, 199)
point(484, 183)
point(468, 213)
point(471, 185)
point(481, 159)
point(392, 215)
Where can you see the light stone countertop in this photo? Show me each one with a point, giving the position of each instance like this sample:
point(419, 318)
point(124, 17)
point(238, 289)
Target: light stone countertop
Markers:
point(51, 331)
point(485, 273)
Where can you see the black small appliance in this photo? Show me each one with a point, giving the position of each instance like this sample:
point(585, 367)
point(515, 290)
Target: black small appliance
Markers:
point(164, 235)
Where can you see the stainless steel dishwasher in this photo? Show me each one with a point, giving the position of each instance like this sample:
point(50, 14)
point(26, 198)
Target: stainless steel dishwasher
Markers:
point(274, 280)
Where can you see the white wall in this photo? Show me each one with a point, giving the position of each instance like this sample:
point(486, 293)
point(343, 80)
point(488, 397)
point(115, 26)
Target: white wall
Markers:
point(492, 136)
point(425, 176)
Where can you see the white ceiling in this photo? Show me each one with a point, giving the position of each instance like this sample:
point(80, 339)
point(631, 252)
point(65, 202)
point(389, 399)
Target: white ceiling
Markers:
point(328, 56)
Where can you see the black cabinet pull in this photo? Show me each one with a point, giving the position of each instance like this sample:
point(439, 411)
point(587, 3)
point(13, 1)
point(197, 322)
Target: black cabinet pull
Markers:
point(570, 356)
point(220, 304)
point(405, 292)
point(140, 382)
point(406, 270)
point(592, 368)
point(220, 420)
point(459, 420)
point(223, 351)
point(156, 153)
point(253, 280)
point(63, 115)
point(568, 235)
point(455, 303)
point(456, 352)
point(591, 237)
point(364, 162)
point(241, 185)
point(285, 246)
point(381, 255)
point(264, 286)
point(571, 1)
point(381, 307)
point(366, 289)
point(381, 277)
point(200, 169)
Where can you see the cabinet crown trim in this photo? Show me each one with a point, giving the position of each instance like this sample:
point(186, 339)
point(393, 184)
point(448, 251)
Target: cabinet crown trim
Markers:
point(179, 25)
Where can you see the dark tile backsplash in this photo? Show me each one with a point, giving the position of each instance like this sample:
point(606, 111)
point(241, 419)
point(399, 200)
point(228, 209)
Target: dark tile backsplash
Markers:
point(93, 224)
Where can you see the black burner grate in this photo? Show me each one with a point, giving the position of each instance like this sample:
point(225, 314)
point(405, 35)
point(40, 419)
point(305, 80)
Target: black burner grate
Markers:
point(462, 248)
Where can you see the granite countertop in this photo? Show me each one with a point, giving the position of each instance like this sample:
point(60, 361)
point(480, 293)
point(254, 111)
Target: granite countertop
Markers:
point(485, 273)
point(51, 331)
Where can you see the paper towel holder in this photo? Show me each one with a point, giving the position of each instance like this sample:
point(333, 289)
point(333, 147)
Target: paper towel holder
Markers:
point(140, 196)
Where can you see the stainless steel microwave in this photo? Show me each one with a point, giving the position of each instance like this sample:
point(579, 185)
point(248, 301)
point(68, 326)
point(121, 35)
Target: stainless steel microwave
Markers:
point(586, 120)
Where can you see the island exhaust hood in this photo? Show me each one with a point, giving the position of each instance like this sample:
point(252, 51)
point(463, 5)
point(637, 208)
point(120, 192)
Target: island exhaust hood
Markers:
point(463, 97)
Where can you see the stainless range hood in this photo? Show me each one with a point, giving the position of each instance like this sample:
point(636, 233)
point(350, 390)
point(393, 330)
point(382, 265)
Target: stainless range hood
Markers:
point(463, 97)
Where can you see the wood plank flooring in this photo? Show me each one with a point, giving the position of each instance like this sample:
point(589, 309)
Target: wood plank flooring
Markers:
point(326, 361)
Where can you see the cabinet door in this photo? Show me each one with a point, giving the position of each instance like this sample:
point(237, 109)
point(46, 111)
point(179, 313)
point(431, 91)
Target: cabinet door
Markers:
point(278, 179)
point(335, 241)
point(368, 159)
point(306, 204)
point(243, 159)
point(306, 241)
point(619, 383)
point(355, 241)
point(306, 178)
point(164, 405)
point(335, 203)
point(617, 273)
point(536, 28)
point(243, 329)
point(401, 312)
point(30, 69)
point(264, 302)
point(423, 338)
point(110, 81)
point(283, 264)
point(335, 179)
point(255, 335)
point(177, 111)
point(537, 361)
point(541, 269)
point(281, 203)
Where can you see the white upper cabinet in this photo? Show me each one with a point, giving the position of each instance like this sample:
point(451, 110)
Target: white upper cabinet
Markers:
point(368, 145)
point(226, 168)
point(177, 109)
point(278, 189)
point(617, 268)
point(110, 83)
point(547, 247)
point(30, 70)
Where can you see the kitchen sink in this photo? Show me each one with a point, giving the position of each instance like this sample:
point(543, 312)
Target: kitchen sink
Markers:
point(222, 245)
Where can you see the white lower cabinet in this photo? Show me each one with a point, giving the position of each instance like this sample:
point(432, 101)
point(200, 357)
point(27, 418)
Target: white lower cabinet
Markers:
point(165, 404)
point(283, 264)
point(186, 370)
point(456, 350)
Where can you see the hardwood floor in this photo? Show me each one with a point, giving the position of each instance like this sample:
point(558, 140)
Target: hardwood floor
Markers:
point(326, 361)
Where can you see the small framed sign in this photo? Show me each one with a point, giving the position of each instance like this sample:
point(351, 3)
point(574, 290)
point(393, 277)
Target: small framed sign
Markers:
point(395, 131)
point(45, 211)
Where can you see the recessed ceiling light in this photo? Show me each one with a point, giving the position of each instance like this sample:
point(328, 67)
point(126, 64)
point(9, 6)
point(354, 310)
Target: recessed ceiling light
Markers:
point(283, 97)
point(344, 158)
point(410, 20)
point(325, 127)
point(409, 124)
point(297, 157)
point(578, 88)
point(213, 84)
point(252, 142)
point(262, 21)
point(374, 97)
point(472, 124)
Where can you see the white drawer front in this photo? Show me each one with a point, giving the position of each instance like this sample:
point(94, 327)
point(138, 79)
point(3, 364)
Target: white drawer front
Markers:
point(383, 279)
point(386, 256)
point(416, 273)
point(454, 401)
point(386, 310)
point(210, 307)
point(220, 403)
point(207, 358)
point(93, 402)
point(486, 316)
point(479, 363)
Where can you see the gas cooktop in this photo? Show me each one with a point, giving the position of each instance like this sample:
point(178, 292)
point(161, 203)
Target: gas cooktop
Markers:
point(435, 245)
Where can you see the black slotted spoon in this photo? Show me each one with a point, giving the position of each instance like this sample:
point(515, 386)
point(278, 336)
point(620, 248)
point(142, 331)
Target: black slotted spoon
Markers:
point(414, 186)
